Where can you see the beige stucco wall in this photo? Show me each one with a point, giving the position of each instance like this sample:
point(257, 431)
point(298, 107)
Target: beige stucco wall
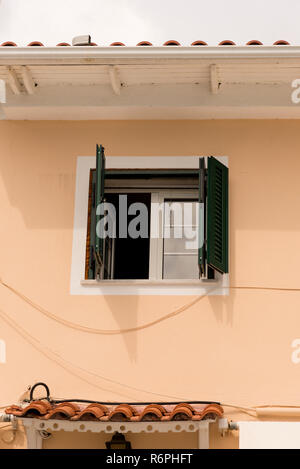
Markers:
point(234, 349)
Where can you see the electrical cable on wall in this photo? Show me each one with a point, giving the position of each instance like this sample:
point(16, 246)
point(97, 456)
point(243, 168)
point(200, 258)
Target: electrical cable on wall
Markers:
point(132, 329)
point(65, 363)
point(100, 331)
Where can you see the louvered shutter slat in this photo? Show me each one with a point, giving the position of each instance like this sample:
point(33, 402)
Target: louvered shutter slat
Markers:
point(99, 195)
point(92, 229)
point(201, 232)
point(217, 215)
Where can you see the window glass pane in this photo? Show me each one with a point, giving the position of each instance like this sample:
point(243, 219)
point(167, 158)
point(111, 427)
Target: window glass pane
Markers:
point(180, 267)
point(180, 259)
point(178, 245)
point(181, 212)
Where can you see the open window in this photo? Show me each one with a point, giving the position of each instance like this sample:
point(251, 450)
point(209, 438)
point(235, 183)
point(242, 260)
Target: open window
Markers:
point(157, 224)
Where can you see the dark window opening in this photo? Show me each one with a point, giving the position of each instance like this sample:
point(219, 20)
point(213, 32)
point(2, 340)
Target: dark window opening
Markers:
point(131, 255)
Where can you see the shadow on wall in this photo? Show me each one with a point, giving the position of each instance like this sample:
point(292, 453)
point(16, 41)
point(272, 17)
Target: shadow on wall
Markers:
point(126, 321)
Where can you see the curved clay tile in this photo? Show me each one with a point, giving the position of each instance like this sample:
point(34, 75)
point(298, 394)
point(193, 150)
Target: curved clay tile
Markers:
point(144, 43)
point(34, 409)
point(65, 410)
point(254, 42)
point(199, 43)
point(187, 406)
point(181, 413)
point(156, 406)
point(227, 43)
point(9, 44)
point(172, 43)
point(121, 413)
point(62, 44)
point(150, 412)
point(117, 44)
point(93, 44)
point(208, 410)
point(91, 412)
point(72, 405)
point(14, 410)
point(281, 43)
point(35, 44)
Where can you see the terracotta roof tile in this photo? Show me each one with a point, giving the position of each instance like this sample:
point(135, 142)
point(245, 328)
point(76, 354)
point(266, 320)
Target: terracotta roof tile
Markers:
point(254, 42)
point(172, 43)
point(144, 43)
point(42, 409)
point(122, 412)
point(152, 412)
point(9, 44)
point(281, 43)
point(92, 412)
point(199, 43)
point(34, 409)
point(35, 44)
point(227, 43)
point(66, 410)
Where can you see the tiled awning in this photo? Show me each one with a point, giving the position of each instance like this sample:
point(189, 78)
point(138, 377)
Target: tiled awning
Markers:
point(42, 409)
point(43, 416)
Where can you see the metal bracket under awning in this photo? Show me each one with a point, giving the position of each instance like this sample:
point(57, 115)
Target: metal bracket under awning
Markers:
point(35, 428)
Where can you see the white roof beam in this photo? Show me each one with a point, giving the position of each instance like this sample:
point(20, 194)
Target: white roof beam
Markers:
point(2, 92)
point(13, 81)
point(114, 79)
point(215, 83)
point(27, 80)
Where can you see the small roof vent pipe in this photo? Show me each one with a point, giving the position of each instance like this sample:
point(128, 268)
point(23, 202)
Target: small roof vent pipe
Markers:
point(81, 40)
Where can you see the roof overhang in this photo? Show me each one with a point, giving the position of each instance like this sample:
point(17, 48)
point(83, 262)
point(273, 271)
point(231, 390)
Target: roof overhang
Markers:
point(150, 82)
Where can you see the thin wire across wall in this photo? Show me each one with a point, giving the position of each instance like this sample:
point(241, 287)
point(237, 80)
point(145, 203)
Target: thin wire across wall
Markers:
point(75, 370)
point(92, 330)
point(65, 364)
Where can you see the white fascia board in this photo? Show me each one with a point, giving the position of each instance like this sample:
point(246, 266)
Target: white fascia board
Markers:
point(114, 54)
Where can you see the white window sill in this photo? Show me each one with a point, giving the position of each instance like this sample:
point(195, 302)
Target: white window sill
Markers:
point(155, 287)
point(165, 282)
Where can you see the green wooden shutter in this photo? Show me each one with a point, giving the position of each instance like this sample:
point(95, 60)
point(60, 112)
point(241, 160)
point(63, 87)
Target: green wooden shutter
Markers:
point(99, 198)
point(92, 228)
point(202, 211)
point(217, 215)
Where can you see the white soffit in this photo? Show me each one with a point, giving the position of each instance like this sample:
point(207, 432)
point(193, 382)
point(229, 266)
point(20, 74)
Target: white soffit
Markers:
point(150, 83)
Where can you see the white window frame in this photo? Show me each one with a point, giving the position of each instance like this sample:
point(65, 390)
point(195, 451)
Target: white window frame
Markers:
point(158, 196)
point(156, 244)
point(154, 285)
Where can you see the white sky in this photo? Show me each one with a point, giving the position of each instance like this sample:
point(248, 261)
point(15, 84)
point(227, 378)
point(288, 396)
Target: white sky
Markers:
point(130, 21)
